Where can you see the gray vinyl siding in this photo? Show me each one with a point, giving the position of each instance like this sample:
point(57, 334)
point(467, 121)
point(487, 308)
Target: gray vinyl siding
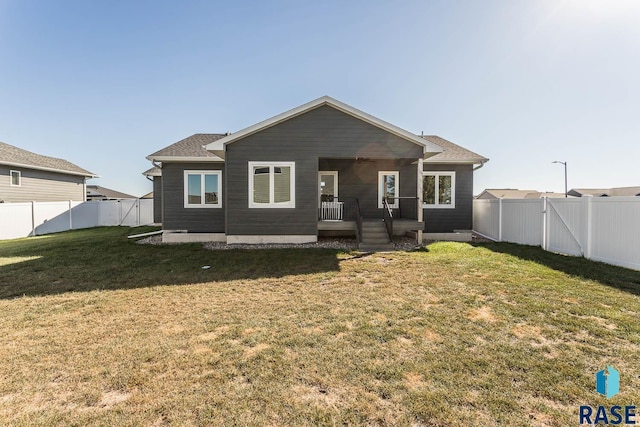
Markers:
point(157, 199)
point(359, 178)
point(321, 133)
point(174, 215)
point(40, 186)
point(460, 218)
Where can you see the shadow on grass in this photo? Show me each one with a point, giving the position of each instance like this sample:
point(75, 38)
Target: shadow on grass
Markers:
point(618, 277)
point(103, 258)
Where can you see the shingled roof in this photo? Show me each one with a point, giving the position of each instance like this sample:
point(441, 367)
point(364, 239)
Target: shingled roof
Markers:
point(606, 192)
point(189, 148)
point(14, 156)
point(154, 171)
point(453, 153)
point(97, 192)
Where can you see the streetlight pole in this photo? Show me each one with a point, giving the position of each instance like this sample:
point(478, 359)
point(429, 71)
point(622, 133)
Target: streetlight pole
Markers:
point(565, 176)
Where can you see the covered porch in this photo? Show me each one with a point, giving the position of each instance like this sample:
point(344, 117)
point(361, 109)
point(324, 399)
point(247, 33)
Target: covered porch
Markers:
point(353, 192)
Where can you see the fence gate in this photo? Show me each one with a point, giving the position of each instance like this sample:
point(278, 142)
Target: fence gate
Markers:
point(565, 228)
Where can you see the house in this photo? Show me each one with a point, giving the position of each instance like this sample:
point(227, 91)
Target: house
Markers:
point(321, 168)
point(605, 192)
point(97, 192)
point(513, 193)
point(27, 176)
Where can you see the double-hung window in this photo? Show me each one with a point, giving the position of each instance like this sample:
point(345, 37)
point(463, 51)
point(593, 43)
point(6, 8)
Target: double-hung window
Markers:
point(272, 185)
point(439, 189)
point(16, 179)
point(203, 189)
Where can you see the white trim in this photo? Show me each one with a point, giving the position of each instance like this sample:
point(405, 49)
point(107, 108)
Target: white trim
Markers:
point(335, 184)
point(173, 237)
point(11, 184)
point(44, 168)
point(292, 185)
point(428, 146)
point(259, 239)
point(456, 162)
point(202, 174)
point(381, 190)
point(437, 204)
point(184, 159)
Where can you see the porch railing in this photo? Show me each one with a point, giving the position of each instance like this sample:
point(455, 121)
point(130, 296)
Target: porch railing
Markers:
point(331, 211)
point(407, 207)
point(344, 209)
point(358, 222)
point(387, 217)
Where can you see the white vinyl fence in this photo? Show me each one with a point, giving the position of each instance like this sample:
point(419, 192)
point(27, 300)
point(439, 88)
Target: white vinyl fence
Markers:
point(35, 218)
point(604, 229)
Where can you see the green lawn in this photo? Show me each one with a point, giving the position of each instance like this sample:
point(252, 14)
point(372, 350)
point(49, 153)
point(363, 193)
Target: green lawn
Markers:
point(97, 330)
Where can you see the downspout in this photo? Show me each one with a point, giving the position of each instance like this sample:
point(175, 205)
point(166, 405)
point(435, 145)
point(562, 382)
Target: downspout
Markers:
point(480, 165)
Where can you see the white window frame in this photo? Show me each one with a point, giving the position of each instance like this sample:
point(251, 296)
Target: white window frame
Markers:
point(396, 201)
point(19, 184)
point(335, 185)
point(202, 174)
point(437, 175)
point(292, 185)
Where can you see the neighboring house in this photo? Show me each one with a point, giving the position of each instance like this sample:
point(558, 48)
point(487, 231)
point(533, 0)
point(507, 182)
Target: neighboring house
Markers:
point(321, 168)
point(96, 192)
point(512, 193)
point(605, 192)
point(27, 176)
point(149, 195)
point(155, 175)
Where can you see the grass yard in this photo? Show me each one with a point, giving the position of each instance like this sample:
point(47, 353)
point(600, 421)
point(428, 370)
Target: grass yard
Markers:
point(97, 330)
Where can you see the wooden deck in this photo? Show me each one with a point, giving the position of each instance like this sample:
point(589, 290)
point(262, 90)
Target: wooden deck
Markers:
point(400, 226)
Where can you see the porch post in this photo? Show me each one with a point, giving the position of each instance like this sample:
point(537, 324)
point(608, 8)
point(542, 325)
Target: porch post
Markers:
point(419, 200)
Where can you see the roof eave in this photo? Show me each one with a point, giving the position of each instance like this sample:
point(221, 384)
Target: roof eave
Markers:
point(466, 161)
point(44, 168)
point(166, 159)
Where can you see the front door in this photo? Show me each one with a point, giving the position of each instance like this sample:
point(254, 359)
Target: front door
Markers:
point(330, 208)
point(327, 186)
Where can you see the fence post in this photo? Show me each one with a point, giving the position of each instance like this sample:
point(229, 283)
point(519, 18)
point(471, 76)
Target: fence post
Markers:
point(33, 218)
point(70, 218)
point(544, 223)
point(419, 212)
point(587, 201)
point(500, 219)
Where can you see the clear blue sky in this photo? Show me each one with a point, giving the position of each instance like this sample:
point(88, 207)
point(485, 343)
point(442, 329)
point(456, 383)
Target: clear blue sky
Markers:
point(523, 82)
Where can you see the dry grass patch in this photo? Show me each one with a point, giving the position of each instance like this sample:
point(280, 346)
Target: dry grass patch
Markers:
point(113, 333)
point(483, 314)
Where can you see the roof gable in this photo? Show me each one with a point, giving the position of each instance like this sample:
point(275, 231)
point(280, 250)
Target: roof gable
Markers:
point(14, 156)
point(191, 148)
point(428, 146)
point(452, 153)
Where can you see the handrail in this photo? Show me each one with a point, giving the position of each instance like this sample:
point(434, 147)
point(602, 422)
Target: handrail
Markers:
point(413, 214)
point(387, 217)
point(358, 222)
